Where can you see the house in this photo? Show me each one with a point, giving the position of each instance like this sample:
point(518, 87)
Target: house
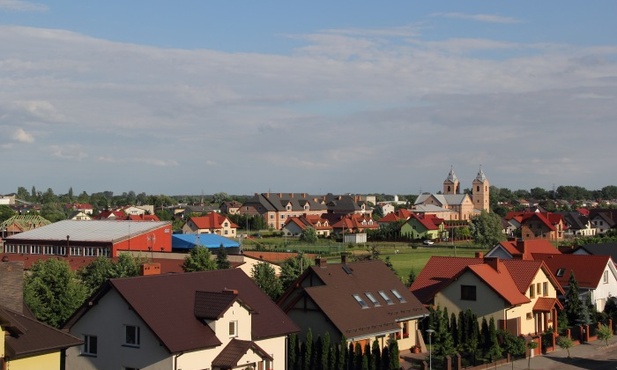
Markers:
point(294, 226)
point(577, 224)
point(520, 295)
point(21, 223)
point(110, 215)
point(539, 225)
point(603, 219)
point(79, 216)
point(596, 275)
point(463, 206)
point(602, 249)
point(201, 320)
point(94, 238)
point(423, 226)
point(230, 207)
point(399, 216)
point(212, 223)
point(276, 208)
point(361, 301)
point(26, 343)
point(354, 223)
point(343, 205)
point(83, 207)
point(522, 249)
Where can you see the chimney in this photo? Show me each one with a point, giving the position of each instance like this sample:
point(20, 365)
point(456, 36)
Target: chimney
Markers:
point(230, 291)
point(520, 245)
point(479, 255)
point(152, 268)
point(493, 262)
point(344, 257)
point(321, 262)
point(12, 285)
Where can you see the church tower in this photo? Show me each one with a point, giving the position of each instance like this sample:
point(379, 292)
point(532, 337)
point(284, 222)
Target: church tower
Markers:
point(480, 192)
point(451, 184)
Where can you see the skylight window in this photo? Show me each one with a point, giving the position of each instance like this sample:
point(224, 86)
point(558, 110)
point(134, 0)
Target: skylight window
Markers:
point(360, 301)
point(560, 272)
point(372, 298)
point(398, 296)
point(385, 297)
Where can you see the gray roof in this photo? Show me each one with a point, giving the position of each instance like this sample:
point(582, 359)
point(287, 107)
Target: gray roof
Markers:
point(430, 208)
point(94, 230)
point(444, 199)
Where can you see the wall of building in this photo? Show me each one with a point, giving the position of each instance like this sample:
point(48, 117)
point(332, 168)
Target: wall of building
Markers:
point(47, 361)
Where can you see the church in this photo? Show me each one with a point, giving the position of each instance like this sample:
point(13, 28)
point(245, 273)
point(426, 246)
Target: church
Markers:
point(451, 204)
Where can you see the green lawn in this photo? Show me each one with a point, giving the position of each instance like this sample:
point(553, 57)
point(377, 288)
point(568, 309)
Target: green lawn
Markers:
point(403, 257)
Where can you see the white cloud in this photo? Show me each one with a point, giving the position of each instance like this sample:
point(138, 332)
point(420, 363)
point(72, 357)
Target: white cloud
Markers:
point(22, 6)
point(22, 136)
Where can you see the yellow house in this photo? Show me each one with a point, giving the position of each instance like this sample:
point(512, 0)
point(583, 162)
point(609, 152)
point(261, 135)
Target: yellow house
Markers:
point(520, 295)
point(27, 344)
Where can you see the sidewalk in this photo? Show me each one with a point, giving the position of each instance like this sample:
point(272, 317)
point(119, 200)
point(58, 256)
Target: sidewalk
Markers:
point(558, 359)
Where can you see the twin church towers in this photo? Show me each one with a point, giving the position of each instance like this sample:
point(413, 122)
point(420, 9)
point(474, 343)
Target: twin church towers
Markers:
point(480, 189)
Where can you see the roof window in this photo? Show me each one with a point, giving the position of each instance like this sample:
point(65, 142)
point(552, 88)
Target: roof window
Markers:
point(560, 272)
point(372, 298)
point(398, 296)
point(360, 301)
point(385, 297)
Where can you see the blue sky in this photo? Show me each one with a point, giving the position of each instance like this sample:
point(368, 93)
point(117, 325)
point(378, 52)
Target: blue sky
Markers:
point(190, 97)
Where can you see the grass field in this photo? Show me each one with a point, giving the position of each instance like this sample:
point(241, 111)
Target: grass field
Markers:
point(404, 258)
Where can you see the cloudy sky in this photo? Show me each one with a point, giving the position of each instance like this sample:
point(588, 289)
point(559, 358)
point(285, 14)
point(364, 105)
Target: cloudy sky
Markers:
point(190, 97)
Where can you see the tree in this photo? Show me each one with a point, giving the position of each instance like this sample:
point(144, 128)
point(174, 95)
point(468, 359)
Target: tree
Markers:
point(53, 292)
point(5, 213)
point(309, 235)
point(564, 342)
point(513, 345)
point(493, 350)
point(394, 354)
point(292, 268)
point(604, 333)
point(265, 277)
point(222, 263)
point(574, 305)
point(102, 268)
point(375, 355)
point(486, 229)
point(411, 278)
point(199, 259)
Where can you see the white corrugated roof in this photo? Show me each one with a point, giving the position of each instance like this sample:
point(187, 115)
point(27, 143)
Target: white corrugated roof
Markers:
point(95, 230)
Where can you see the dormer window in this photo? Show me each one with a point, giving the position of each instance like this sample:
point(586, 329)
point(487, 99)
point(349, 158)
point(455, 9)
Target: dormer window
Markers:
point(288, 207)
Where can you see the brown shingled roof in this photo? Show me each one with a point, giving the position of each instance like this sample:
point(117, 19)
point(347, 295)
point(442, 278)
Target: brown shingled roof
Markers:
point(166, 303)
point(30, 337)
point(229, 357)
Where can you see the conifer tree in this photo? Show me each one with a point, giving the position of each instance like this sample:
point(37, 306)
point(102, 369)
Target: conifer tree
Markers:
point(376, 356)
point(573, 304)
point(293, 351)
point(325, 351)
point(385, 358)
point(494, 351)
point(454, 330)
point(358, 356)
point(341, 355)
point(394, 355)
point(308, 353)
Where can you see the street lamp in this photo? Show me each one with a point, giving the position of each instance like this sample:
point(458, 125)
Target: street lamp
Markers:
point(430, 348)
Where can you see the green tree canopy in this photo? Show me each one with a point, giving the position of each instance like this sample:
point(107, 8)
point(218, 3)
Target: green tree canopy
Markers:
point(53, 292)
point(5, 213)
point(309, 235)
point(222, 263)
point(486, 229)
point(102, 268)
point(265, 277)
point(199, 259)
point(292, 268)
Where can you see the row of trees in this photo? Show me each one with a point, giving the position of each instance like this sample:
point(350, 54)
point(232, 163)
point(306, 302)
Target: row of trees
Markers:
point(321, 354)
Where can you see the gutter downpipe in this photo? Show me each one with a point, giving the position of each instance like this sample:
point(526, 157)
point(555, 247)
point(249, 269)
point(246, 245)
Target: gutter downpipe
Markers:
point(176, 360)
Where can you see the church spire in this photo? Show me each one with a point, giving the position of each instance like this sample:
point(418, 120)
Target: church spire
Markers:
point(452, 176)
point(481, 176)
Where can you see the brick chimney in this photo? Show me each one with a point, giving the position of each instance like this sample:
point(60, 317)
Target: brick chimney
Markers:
point(12, 285)
point(152, 268)
point(479, 255)
point(321, 262)
point(230, 291)
point(344, 257)
point(493, 262)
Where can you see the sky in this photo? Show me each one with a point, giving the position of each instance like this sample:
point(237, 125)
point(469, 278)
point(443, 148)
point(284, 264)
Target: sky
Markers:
point(204, 96)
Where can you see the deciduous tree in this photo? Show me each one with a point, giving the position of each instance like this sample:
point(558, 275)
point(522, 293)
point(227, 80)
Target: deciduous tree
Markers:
point(199, 259)
point(265, 277)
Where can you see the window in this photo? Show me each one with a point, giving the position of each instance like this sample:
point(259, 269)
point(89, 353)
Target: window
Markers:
point(468, 292)
point(131, 335)
point(385, 297)
point(233, 329)
point(560, 272)
point(605, 277)
point(398, 296)
point(360, 300)
point(532, 291)
point(371, 297)
point(545, 289)
point(90, 347)
point(529, 316)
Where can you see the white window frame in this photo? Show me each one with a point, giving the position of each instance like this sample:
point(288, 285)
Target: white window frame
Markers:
point(136, 340)
point(87, 346)
point(233, 329)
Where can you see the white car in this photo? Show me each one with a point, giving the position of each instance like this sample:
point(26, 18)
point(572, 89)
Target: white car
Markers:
point(428, 242)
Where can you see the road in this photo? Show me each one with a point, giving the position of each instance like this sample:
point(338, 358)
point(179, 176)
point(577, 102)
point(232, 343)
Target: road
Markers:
point(585, 356)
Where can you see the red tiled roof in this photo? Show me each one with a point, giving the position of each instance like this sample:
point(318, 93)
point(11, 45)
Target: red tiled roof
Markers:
point(500, 281)
point(212, 220)
point(588, 269)
point(143, 217)
point(524, 249)
point(546, 304)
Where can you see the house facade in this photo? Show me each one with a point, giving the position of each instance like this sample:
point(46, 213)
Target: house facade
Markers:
point(520, 295)
point(361, 301)
point(215, 319)
point(294, 226)
point(423, 226)
point(212, 223)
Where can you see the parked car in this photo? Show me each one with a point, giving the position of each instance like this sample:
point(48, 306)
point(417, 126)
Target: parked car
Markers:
point(428, 242)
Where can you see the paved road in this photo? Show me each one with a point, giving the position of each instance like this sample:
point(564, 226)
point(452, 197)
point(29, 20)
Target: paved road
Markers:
point(592, 356)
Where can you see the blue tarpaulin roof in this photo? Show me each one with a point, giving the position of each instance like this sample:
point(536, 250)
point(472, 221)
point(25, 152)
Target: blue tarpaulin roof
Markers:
point(189, 241)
